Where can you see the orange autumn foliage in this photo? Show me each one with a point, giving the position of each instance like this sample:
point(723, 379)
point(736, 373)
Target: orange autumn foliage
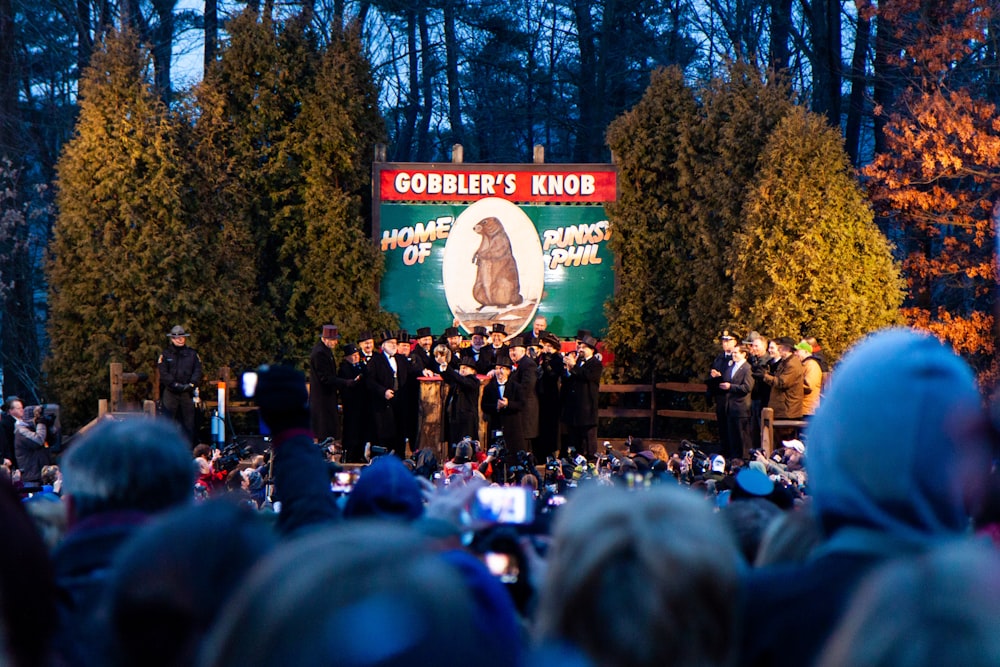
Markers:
point(936, 188)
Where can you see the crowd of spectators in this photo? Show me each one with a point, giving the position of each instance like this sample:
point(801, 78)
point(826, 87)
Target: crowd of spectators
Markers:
point(869, 545)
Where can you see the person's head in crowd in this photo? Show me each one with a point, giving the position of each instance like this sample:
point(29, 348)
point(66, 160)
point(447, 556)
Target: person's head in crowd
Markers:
point(139, 465)
point(48, 512)
point(502, 369)
point(360, 594)
point(529, 481)
point(727, 341)
point(170, 580)
point(641, 579)
point(453, 337)
point(790, 538)
point(498, 335)
point(803, 350)
point(660, 452)
point(403, 343)
point(366, 343)
point(463, 452)
point(905, 397)
point(540, 324)
point(758, 344)
point(52, 477)
point(940, 608)
point(786, 347)
point(424, 338)
point(479, 335)
point(467, 366)
point(772, 350)
point(27, 586)
point(517, 349)
point(748, 518)
point(385, 490)
point(389, 345)
point(202, 451)
point(550, 342)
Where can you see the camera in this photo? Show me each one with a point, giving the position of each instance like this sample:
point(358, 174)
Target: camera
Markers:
point(231, 456)
point(42, 417)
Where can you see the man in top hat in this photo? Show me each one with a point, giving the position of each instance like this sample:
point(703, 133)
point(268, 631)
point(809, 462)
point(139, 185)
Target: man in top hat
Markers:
point(354, 397)
point(525, 375)
point(502, 404)
point(386, 375)
point(423, 362)
point(409, 391)
point(366, 346)
point(479, 352)
point(550, 364)
point(498, 347)
point(324, 383)
point(718, 369)
point(180, 373)
point(462, 404)
point(581, 388)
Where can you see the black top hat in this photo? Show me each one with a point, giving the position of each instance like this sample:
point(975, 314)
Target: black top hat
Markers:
point(583, 333)
point(517, 341)
point(403, 335)
point(499, 328)
point(480, 331)
point(387, 335)
point(365, 335)
point(423, 332)
point(467, 361)
point(589, 341)
point(504, 360)
point(450, 332)
point(330, 331)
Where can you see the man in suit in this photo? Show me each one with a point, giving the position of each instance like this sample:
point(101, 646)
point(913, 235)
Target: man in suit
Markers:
point(719, 365)
point(479, 352)
point(736, 386)
point(581, 389)
point(551, 370)
point(502, 404)
point(423, 361)
point(385, 376)
point(355, 400)
point(525, 375)
point(324, 384)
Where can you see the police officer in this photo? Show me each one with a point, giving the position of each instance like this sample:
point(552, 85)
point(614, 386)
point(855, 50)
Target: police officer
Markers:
point(180, 373)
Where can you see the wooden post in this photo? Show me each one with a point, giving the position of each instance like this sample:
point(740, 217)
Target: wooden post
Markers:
point(538, 154)
point(767, 431)
point(431, 424)
point(102, 407)
point(116, 387)
point(457, 154)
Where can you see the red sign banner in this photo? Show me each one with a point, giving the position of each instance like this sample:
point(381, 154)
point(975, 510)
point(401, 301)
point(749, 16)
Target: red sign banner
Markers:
point(555, 184)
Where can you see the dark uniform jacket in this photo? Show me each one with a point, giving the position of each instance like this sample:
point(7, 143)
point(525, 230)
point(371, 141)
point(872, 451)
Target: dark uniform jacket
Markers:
point(581, 388)
point(180, 369)
point(526, 377)
point(462, 406)
point(506, 419)
point(323, 386)
point(379, 378)
point(741, 385)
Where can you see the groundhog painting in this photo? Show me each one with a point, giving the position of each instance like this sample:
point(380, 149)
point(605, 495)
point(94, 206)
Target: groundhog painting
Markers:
point(497, 282)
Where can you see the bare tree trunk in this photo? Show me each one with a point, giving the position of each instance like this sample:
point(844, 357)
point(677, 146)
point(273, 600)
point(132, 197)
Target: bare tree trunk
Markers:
point(426, 75)
point(826, 67)
point(404, 142)
point(163, 46)
point(451, 49)
point(859, 83)
point(84, 40)
point(781, 25)
point(587, 93)
point(884, 88)
point(8, 82)
point(211, 32)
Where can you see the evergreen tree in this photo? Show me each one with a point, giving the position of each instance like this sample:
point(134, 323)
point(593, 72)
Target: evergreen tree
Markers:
point(654, 290)
point(809, 259)
point(737, 210)
point(338, 266)
point(717, 167)
point(255, 95)
point(123, 263)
